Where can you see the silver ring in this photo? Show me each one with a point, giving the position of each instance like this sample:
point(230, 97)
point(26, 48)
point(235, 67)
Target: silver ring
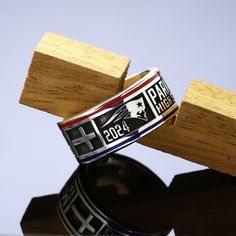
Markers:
point(121, 120)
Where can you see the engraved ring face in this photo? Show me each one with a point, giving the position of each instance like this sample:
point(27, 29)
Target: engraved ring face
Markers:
point(122, 119)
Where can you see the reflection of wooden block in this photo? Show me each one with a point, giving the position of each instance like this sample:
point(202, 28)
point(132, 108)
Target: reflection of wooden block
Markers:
point(204, 130)
point(41, 217)
point(67, 77)
point(196, 203)
point(203, 203)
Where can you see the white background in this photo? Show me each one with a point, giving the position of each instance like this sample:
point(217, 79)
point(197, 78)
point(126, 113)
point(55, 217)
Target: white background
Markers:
point(185, 39)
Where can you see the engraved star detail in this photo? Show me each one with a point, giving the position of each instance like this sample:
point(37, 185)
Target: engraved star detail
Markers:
point(139, 104)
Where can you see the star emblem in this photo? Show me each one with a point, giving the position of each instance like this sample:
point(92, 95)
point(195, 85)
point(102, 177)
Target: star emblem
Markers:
point(139, 104)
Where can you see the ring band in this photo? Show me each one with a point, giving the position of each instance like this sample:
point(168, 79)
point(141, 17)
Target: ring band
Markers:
point(94, 200)
point(121, 120)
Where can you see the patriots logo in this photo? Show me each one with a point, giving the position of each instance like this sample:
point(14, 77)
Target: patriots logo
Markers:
point(132, 109)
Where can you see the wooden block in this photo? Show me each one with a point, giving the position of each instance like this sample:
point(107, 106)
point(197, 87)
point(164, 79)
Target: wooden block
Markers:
point(204, 130)
point(67, 77)
point(41, 217)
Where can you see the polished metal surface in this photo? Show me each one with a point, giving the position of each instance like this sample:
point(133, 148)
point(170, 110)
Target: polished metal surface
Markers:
point(121, 120)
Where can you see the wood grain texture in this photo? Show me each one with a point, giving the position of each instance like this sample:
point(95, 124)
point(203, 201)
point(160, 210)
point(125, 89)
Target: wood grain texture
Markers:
point(204, 130)
point(67, 77)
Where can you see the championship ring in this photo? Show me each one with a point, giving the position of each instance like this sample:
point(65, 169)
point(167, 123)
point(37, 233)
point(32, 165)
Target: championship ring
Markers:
point(121, 120)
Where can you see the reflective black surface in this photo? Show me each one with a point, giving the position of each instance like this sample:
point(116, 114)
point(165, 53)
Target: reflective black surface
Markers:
point(196, 203)
point(122, 189)
point(202, 203)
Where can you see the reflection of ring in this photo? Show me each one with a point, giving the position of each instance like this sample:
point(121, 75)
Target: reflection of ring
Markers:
point(97, 198)
point(121, 120)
